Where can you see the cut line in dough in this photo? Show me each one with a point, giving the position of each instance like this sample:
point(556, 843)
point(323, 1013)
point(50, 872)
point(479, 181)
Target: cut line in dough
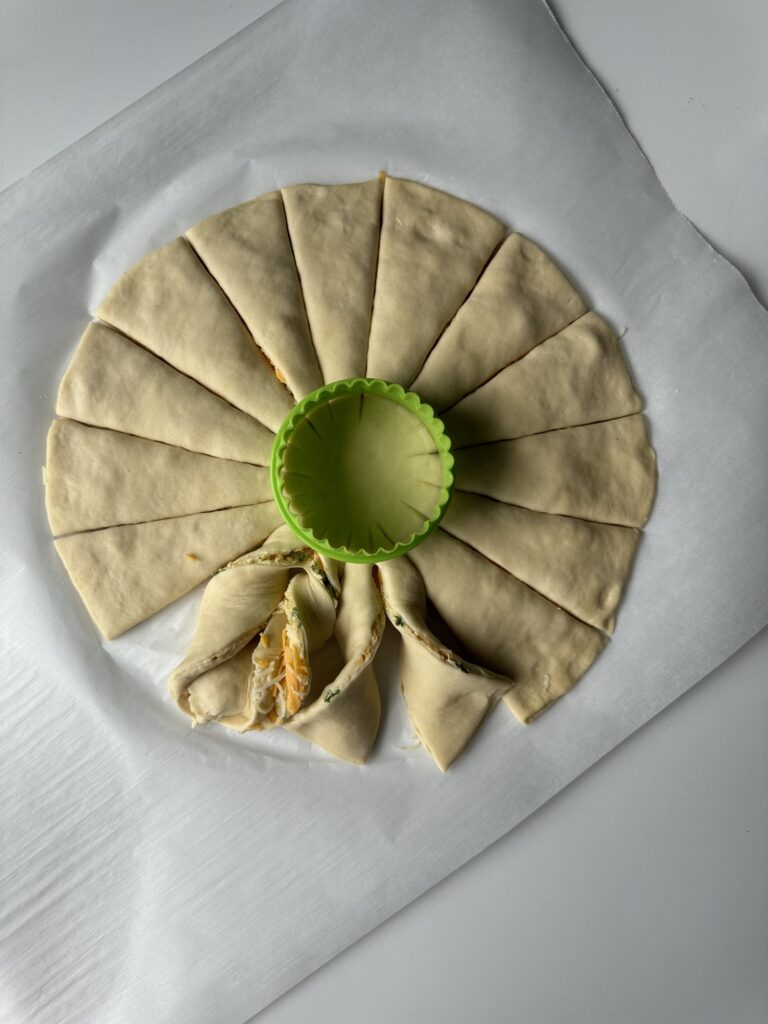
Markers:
point(126, 573)
point(521, 299)
point(91, 476)
point(171, 305)
point(604, 472)
point(578, 376)
point(113, 382)
point(433, 248)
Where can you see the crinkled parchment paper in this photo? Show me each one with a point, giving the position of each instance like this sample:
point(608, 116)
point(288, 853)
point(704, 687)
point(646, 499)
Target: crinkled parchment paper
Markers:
point(152, 873)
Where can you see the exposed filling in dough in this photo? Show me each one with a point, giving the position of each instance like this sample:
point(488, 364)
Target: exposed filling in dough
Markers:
point(281, 674)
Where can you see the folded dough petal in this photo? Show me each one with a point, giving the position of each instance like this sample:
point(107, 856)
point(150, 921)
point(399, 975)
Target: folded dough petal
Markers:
point(505, 625)
point(578, 376)
point(223, 693)
point(521, 299)
point(170, 304)
point(580, 565)
point(112, 382)
point(96, 478)
point(603, 471)
point(334, 231)
point(447, 698)
point(433, 249)
point(278, 593)
point(124, 574)
point(248, 251)
point(344, 719)
point(299, 626)
point(273, 683)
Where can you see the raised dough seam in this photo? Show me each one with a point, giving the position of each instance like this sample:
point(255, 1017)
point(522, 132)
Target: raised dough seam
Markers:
point(434, 648)
point(193, 672)
point(352, 670)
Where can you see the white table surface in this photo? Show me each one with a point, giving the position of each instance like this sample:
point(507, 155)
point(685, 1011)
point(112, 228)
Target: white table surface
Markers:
point(640, 893)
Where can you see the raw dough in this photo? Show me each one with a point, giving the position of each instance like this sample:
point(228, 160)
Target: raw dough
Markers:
point(505, 625)
point(604, 471)
point(157, 473)
point(126, 573)
point(111, 382)
point(578, 376)
point(344, 718)
point(521, 299)
point(581, 566)
point(248, 251)
point(334, 230)
point(257, 594)
point(170, 304)
point(433, 249)
point(91, 477)
point(447, 697)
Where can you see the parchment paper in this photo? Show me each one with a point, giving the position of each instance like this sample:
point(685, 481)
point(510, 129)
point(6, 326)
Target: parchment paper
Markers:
point(152, 873)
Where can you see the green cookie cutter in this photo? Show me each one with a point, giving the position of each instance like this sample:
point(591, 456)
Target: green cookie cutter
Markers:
point(362, 470)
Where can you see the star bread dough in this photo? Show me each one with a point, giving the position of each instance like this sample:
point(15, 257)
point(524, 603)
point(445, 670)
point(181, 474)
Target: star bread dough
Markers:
point(578, 376)
point(344, 718)
point(602, 471)
point(157, 478)
point(278, 595)
point(506, 625)
point(580, 565)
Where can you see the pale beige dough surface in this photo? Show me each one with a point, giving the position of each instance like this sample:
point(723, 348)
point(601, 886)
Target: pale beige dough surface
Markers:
point(603, 471)
point(433, 249)
point(580, 565)
point(294, 615)
point(521, 299)
point(224, 693)
point(248, 251)
point(112, 382)
point(278, 594)
point(578, 376)
point(126, 573)
point(169, 422)
point(334, 231)
point(238, 602)
point(170, 304)
point(344, 718)
point(447, 697)
point(224, 674)
point(299, 627)
point(92, 475)
point(507, 626)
